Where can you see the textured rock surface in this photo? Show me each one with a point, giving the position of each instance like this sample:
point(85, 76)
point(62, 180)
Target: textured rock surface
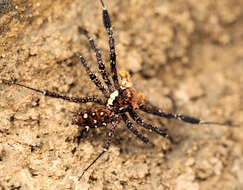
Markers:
point(185, 56)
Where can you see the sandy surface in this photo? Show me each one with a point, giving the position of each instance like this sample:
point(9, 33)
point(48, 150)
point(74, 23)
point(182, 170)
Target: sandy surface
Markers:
point(185, 56)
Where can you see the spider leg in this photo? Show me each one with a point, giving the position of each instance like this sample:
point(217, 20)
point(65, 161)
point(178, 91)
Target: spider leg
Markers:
point(188, 119)
point(93, 77)
point(107, 143)
point(131, 127)
point(101, 65)
point(55, 95)
point(81, 134)
point(139, 121)
point(107, 24)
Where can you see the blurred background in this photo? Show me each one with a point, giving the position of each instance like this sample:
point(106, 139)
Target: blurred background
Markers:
point(185, 56)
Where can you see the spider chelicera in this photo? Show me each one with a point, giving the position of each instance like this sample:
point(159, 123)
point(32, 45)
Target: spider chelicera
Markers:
point(120, 100)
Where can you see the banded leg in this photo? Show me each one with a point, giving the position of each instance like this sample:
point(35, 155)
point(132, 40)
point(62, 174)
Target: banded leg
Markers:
point(55, 95)
point(131, 127)
point(107, 143)
point(107, 24)
point(188, 119)
point(140, 122)
point(93, 77)
point(101, 65)
point(81, 134)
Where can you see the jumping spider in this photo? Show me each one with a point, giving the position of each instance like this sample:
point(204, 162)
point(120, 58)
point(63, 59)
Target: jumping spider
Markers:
point(120, 100)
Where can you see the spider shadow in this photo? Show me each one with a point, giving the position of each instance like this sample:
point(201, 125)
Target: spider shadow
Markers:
point(126, 143)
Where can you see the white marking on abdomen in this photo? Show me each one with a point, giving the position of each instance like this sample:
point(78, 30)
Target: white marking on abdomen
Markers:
point(85, 116)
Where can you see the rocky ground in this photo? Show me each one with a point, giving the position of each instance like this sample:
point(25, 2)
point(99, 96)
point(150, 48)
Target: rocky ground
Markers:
point(185, 56)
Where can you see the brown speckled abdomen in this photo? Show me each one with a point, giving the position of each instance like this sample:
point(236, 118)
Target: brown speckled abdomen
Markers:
point(95, 117)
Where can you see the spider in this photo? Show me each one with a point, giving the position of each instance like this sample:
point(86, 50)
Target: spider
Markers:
point(120, 100)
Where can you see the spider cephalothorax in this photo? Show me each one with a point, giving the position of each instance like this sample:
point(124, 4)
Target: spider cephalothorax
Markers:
point(121, 100)
point(128, 98)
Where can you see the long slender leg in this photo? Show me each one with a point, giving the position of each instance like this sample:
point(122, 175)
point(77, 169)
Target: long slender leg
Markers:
point(107, 143)
point(81, 134)
point(101, 65)
point(156, 111)
point(139, 121)
point(131, 127)
point(107, 24)
point(55, 95)
point(94, 78)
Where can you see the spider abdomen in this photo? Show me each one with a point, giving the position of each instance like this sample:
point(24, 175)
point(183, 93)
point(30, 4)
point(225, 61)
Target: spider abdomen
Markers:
point(92, 118)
